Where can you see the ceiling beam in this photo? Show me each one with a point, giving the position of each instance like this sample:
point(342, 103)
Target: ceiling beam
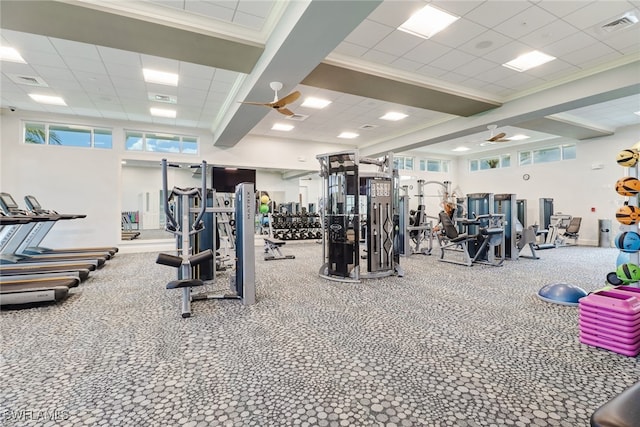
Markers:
point(354, 82)
point(564, 126)
point(103, 28)
point(307, 33)
point(592, 89)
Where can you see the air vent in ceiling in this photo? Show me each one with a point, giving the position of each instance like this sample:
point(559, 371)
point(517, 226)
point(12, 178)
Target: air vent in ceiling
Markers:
point(625, 21)
point(367, 127)
point(28, 80)
point(167, 99)
point(298, 117)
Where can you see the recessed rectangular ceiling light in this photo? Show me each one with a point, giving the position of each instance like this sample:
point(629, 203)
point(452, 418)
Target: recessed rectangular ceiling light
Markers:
point(461, 148)
point(316, 103)
point(427, 22)
point(348, 135)
point(518, 137)
point(11, 55)
point(637, 113)
point(282, 127)
point(162, 112)
point(160, 77)
point(47, 99)
point(529, 60)
point(393, 116)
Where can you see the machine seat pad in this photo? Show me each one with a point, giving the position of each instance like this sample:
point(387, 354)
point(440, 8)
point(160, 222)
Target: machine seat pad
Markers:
point(621, 411)
point(274, 242)
point(186, 283)
point(462, 238)
point(490, 231)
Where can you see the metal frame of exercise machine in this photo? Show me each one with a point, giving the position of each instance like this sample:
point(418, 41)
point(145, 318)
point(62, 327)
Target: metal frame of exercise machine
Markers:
point(345, 182)
point(480, 237)
point(190, 202)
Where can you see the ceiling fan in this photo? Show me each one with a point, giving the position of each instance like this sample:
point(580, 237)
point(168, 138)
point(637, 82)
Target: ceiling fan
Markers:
point(278, 104)
point(500, 137)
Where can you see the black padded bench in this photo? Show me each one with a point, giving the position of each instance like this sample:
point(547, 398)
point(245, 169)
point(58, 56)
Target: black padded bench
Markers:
point(272, 249)
point(621, 411)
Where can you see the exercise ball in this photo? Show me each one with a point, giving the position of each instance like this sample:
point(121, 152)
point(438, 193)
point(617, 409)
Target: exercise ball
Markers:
point(628, 215)
point(623, 258)
point(561, 293)
point(627, 157)
point(264, 199)
point(629, 241)
point(264, 209)
point(627, 186)
point(628, 272)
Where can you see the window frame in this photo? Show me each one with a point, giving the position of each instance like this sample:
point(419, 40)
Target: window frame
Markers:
point(48, 134)
point(183, 141)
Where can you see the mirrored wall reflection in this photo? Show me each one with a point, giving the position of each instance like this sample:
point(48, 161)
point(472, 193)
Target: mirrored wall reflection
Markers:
point(142, 215)
point(142, 200)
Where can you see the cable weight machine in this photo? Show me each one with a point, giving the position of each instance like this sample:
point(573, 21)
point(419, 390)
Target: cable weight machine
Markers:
point(345, 182)
point(189, 205)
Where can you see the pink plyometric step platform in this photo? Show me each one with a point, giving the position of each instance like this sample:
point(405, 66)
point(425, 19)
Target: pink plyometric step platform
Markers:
point(611, 319)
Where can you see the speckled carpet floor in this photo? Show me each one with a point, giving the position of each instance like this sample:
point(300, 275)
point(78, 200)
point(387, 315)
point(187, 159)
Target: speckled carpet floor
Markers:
point(445, 345)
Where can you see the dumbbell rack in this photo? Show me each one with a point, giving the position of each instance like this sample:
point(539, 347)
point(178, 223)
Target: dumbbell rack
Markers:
point(285, 226)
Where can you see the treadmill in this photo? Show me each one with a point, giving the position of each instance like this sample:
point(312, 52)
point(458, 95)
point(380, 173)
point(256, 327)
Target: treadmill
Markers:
point(13, 245)
point(32, 243)
point(83, 268)
point(16, 291)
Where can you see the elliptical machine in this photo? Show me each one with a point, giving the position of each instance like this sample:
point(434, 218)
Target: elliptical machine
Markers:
point(190, 257)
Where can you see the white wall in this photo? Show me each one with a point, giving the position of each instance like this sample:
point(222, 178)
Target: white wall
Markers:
point(574, 185)
point(89, 181)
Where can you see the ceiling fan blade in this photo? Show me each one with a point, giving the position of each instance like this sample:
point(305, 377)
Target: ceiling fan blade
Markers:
point(292, 97)
point(497, 138)
point(256, 103)
point(285, 111)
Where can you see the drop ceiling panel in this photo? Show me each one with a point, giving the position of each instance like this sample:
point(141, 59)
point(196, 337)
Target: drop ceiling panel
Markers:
point(378, 57)
point(256, 8)
point(569, 44)
point(426, 52)
point(398, 43)
point(597, 51)
point(369, 33)
point(211, 10)
point(548, 34)
point(484, 43)
point(85, 65)
point(507, 52)
point(393, 14)
point(118, 56)
point(465, 31)
point(492, 13)
point(28, 42)
point(596, 13)
point(562, 8)
point(248, 20)
point(525, 22)
point(68, 48)
point(626, 41)
point(350, 49)
point(197, 71)
point(44, 58)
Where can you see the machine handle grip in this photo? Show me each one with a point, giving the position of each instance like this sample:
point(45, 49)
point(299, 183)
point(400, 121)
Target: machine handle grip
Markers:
point(203, 196)
point(172, 221)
